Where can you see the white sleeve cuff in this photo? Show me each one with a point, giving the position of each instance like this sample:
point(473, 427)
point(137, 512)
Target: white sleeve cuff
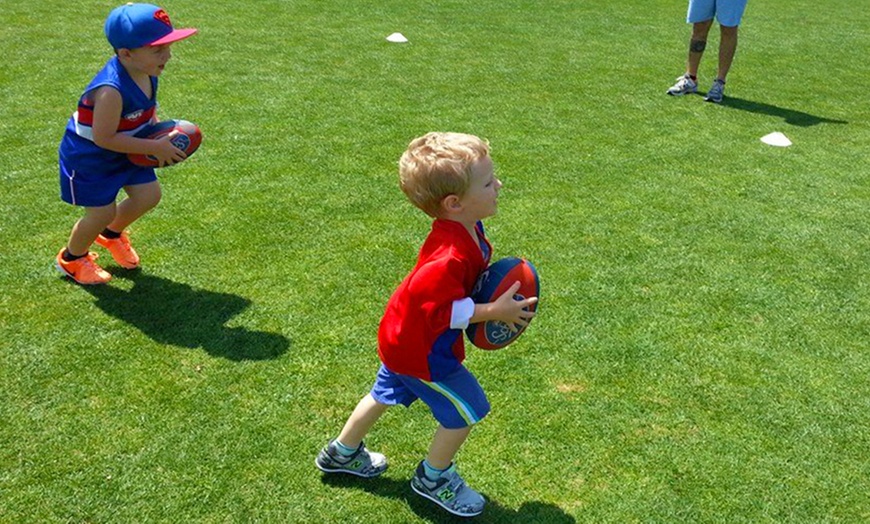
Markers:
point(462, 312)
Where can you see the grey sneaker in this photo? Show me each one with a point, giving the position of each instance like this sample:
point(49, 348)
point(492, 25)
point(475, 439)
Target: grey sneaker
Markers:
point(363, 463)
point(716, 92)
point(450, 492)
point(684, 86)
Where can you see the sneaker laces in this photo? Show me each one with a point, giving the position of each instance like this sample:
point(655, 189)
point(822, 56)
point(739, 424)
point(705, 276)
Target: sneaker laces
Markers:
point(89, 264)
point(90, 259)
point(126, 247)
point(122, 241)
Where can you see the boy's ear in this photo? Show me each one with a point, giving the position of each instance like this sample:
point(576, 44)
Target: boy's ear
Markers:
point(123, 53)
point(451, 204)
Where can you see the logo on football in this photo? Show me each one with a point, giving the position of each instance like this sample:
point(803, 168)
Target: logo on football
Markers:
point(187, 139)
point(493, 283)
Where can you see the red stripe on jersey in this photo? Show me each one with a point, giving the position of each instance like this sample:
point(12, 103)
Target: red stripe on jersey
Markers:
point(86, 115)
point(133, 121)
point(138, 119)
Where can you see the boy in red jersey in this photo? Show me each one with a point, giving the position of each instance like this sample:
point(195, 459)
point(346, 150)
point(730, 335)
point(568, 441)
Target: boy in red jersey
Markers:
point(120, 101)
point(420, 340)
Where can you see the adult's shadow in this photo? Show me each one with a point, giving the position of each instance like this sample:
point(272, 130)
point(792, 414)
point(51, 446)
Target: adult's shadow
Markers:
point(534, 512)
point(791, 116)
point(177, 314)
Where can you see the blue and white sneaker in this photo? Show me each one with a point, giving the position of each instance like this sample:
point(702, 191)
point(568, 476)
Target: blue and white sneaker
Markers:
point(363, 463)
point(684, 86)
point(450, 492)
point(716, 92)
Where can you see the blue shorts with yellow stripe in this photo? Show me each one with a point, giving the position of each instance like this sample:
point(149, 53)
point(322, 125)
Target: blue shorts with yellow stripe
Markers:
point(456, 402)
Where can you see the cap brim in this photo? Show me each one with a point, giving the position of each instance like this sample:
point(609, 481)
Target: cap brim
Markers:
point(174, 36)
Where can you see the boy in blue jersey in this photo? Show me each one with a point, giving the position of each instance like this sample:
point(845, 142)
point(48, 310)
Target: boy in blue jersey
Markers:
point(420, 341)
point(700, 15)
point(119, 102)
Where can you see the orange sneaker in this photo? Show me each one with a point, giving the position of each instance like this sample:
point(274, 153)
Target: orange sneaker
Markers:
point(83, 270)
point(121, 250)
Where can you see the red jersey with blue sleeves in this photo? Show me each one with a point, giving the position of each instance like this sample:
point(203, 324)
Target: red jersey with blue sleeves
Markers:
point(415, 337)
point(78, 150)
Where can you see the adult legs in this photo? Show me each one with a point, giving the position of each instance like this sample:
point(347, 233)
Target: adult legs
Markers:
point(727, 49)
point(697, 45)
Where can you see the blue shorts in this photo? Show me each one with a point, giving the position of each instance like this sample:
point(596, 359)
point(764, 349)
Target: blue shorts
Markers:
point(81, 188)
point(456, 402)
point(727, 12)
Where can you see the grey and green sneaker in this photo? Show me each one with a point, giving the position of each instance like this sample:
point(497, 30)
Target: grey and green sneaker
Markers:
point(363, 463)
point(716, 92)
point(450, 492)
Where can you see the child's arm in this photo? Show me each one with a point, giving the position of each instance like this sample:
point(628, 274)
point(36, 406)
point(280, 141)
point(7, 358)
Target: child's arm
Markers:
point(506, 309)
point(107, 114)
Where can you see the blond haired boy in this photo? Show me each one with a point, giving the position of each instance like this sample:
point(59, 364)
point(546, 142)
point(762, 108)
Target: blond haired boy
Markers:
point(450, 177)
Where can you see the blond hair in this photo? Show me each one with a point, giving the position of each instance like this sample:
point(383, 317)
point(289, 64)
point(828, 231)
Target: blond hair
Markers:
point(436, 165)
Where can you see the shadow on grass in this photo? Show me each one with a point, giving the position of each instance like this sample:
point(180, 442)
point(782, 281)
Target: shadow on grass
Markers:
point(529, 512)
point(177, 314)
point(791, 116)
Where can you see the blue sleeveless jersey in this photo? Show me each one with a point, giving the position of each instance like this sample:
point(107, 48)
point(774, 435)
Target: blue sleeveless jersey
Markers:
point(77, 148)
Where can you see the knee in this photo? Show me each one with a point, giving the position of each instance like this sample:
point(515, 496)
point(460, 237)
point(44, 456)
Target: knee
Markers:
point(701, 29)
point(728, 33)
point(154, 198)
point(100, 216)
point(149, 199)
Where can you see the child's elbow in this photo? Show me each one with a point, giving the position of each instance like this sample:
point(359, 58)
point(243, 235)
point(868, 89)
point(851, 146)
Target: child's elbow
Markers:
point(103, 141)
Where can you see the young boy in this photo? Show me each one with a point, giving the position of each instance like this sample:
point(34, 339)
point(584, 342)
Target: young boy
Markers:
point(420, 340)
point(119, 102)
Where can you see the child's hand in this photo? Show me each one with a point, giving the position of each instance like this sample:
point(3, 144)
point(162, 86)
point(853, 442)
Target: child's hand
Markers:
point(166, 153)
point(506, 309)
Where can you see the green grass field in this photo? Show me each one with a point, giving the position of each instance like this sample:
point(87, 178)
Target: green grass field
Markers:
point(702, 350)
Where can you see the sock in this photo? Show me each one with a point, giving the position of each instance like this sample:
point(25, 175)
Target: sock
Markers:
point(69, 257)
point(108, 233)
point(343, 450)
point(694, 78)
point(432, 473)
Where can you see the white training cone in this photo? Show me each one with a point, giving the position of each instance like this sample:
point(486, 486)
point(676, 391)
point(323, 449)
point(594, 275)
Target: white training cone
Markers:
point(776, 139)
point(398, 38)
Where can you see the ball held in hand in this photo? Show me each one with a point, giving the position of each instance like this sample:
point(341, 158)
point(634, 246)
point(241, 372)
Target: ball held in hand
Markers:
point(187, 139)
point(491, 284)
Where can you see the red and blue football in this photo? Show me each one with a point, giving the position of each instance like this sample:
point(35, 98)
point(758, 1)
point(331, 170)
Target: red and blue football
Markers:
point(491, 284)
point(188, 139)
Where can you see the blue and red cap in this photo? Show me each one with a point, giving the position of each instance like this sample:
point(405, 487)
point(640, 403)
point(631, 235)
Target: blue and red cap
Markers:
point(138, 25)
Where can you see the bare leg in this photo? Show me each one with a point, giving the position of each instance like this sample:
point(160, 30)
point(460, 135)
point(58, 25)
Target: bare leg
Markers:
point(364, 416)
point(141, 198)
point(727, 48)
point(445, 444)
point(85, 231)
point(696, 50)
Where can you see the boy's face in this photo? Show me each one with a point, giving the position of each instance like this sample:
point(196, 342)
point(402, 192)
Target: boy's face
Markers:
point(481, 198)
point(148, 59)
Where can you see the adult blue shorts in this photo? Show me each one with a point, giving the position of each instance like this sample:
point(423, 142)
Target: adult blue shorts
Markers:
point(456, 402)
point(83, 188)
point(727, 12)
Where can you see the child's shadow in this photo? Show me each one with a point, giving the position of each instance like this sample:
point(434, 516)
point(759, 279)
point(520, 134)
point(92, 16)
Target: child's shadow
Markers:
point(534, 512)
point(177, 314)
